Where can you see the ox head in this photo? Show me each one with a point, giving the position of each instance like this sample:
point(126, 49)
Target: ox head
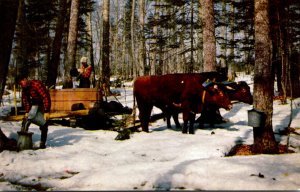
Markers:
point(239, 91)
point(215, 95)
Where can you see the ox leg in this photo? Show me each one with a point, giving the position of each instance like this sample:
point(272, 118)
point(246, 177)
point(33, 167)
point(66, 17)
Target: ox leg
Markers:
point(169, 120)
point(144, 117)
point(175, 117)
point(192, 121)
point(185, 127)
point(174, 114)
point(200, 121)
point(167, 113)
point(185, 116)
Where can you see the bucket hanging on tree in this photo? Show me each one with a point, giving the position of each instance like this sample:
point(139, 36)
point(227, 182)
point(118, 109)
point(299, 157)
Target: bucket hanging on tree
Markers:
point(256, 118)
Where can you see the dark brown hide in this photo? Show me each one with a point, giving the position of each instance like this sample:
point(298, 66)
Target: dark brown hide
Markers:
point(237, 91)
point(166, 90)
point(212, 76)
point(240, 91)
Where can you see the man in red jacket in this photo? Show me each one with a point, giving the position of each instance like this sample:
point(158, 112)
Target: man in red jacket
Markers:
point(36, 96)
point(84, 73)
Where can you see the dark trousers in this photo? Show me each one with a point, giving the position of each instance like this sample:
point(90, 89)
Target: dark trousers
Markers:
point(44, 133)
point(84, 83)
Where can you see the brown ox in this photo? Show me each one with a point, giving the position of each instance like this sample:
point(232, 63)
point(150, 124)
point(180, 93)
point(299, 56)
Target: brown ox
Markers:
point(212, 76)
point(237, 91)
point(166, 90)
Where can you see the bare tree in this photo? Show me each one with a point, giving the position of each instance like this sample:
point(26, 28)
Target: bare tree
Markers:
point(264, 140)
point(8, 16)
point(72, 37)
point(105, 46)
point(56, 45)
point(91, 50)
point(200, 39)
point(142, 48)
point(132, 37)
point(223, 47)
point(153, 54)
point(20, 51)
point(209, 41)
point(231, 72)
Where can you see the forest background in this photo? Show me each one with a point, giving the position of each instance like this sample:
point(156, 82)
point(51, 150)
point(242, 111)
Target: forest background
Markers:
point(46, 39)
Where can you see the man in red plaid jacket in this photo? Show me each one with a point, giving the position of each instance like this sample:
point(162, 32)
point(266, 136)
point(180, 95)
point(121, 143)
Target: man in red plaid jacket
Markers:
point(34, 92)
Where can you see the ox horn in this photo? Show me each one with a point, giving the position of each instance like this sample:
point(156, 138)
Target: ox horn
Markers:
point(229, 88)
point(177, 104)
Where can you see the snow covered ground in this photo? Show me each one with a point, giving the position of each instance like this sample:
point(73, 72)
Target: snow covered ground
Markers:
point(164, 159)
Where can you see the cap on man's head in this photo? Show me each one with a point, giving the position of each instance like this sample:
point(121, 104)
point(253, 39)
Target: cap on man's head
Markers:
point(83, 60)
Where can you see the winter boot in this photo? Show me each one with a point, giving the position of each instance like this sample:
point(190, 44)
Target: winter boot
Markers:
point(44, 132)
point(191, 130)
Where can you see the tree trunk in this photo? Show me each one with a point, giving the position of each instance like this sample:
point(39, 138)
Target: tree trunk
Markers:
point(191, 63)
point(8, 16)
point(231, 70)
point(134, 70)
point(72, 38)
point(116, 44)
point(91, 50)
point(56, 46)
point(209, 41)
point(182, 43)
point(154, 64)
point(264, 140)
point(200, 39)
point(105, 46)
point(21, 40)
point(295, 74)
point(223, 47)
point(283, 48)
point(142, 48)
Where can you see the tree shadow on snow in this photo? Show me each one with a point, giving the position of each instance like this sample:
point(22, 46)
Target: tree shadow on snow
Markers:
point(59, 138)
point(280, 129)
point(163, 128)
point(226, 126)
point(235, 110)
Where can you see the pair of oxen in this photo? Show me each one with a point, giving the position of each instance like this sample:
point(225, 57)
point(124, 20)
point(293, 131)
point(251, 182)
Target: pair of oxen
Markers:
point(189, 93)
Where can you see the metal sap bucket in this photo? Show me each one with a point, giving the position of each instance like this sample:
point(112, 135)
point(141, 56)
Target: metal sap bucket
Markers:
point(36, 116)
point(256, 118)
point(24, 140)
